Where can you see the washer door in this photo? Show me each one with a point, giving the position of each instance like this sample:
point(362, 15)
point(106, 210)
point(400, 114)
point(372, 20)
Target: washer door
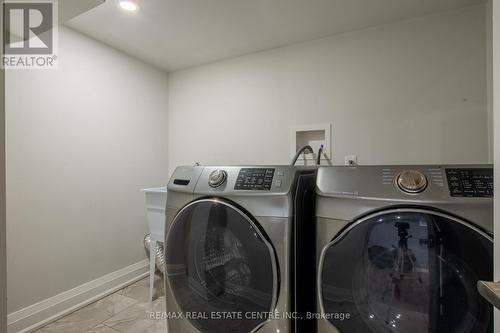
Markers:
point(220, 266)
point(407, 271)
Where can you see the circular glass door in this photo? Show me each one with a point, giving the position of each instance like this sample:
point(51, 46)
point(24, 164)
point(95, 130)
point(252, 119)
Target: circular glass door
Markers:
point(220, 267)
point(407, 271)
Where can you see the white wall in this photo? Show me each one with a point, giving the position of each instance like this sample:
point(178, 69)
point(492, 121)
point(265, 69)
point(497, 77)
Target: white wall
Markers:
point(81, 142)
point(408, 92)
point(489, 75)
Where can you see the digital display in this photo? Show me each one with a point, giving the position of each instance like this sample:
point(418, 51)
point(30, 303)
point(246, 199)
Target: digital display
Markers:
point(254, 179)
point(470, 182)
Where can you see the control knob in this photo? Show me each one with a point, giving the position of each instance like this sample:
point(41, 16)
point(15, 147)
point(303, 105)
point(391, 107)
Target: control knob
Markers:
point(217, 178)
point(412, 181)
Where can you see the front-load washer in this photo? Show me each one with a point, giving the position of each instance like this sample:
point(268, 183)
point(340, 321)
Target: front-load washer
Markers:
point(401, 248)
point(229, 249)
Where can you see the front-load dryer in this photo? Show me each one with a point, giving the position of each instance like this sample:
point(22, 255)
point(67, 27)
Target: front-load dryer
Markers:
point(401, 248)
point(229, 249)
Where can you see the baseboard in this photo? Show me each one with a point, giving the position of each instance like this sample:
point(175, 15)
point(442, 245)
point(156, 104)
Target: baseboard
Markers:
point(53, 308)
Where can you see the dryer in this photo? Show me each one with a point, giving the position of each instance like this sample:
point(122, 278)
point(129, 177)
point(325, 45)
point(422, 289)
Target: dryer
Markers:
point(401, 248)
point(229, 249)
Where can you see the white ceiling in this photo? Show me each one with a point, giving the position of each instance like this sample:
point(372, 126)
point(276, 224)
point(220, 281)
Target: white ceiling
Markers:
point(175, 34)
point(71, 8)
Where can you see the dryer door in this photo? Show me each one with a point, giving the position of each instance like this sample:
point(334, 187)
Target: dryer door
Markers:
point(407, 270)
point(220, 265)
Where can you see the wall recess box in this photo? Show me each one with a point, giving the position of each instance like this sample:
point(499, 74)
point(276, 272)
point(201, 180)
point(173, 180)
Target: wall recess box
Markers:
point(313, 135)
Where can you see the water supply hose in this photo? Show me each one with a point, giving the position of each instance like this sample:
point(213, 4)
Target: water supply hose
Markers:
point(320, 151)
point(304, 149)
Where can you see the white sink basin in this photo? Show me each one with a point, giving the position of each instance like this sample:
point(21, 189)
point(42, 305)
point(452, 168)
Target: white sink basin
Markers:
point(156, 200)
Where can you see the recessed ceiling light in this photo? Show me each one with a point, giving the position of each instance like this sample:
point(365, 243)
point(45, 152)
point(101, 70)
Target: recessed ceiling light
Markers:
point(129, 5)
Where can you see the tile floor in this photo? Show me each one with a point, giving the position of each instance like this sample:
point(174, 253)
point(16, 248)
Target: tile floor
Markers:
point(126, 311)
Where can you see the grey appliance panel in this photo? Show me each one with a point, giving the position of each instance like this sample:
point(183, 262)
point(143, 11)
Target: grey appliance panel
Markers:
point(347, 192)
point(271, 206)
point(282, 182)
point(276, 202)
point(184, 179)
point(380, 182)
point(272, 210)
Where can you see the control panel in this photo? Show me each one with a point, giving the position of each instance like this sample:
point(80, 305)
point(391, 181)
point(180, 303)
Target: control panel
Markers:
point(470, 182)
point(254, 179)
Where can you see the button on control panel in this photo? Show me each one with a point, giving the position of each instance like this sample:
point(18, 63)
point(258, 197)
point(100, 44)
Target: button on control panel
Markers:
point(254, 179)
point(412, 181)
point(470, 182)
point(217, 178)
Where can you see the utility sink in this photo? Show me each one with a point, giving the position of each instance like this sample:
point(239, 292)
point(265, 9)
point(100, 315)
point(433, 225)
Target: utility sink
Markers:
point(156, 200)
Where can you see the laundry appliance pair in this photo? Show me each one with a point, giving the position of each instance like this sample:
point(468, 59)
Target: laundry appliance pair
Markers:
point(339, 249)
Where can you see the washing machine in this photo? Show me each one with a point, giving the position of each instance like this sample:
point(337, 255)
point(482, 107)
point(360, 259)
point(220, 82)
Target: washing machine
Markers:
point(229, 249)
point(401, 248)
